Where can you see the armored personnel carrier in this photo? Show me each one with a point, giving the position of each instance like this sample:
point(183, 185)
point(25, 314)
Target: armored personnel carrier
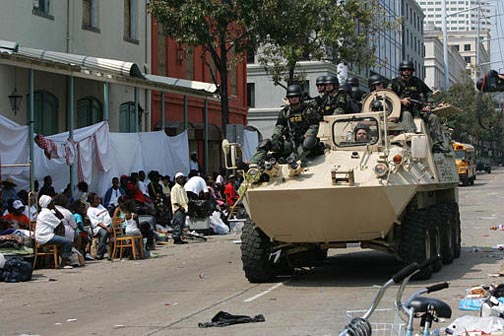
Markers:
point(388, 192)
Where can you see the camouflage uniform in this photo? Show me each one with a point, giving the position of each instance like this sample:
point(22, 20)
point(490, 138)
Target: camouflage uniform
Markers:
point(340, 103)
point(416, 89)
point(294, 134)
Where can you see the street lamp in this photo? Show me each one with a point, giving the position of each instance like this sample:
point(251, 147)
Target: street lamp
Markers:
point(15, 100)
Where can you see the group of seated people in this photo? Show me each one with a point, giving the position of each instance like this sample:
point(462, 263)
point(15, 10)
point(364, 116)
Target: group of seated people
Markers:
point(74, 221)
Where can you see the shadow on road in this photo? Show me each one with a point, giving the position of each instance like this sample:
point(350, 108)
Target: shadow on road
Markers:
point(368, 267)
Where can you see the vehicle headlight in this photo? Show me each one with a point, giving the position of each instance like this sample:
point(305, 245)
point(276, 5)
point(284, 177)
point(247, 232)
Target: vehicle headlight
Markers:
point(381, 169)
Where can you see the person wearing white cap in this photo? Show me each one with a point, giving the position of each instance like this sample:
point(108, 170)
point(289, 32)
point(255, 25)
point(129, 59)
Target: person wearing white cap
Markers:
point(15, 218)
point(180, 207)
point(47, 220)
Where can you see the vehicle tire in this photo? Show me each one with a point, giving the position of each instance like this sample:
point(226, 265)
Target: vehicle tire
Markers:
point(256, 250)
point(415, 243)
point(456, 231)
point(489, 171)
point(435, 236)
point(465, 181)
point(447, 224)
point(471, 180)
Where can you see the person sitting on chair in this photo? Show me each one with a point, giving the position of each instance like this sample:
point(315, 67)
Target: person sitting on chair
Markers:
point(47, 220)
point(100, 222)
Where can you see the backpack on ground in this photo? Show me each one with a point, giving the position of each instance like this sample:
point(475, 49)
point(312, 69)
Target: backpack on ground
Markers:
point(16, 270)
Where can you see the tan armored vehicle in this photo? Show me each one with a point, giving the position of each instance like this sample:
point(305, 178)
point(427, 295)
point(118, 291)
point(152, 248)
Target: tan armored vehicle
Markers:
point(388, 193)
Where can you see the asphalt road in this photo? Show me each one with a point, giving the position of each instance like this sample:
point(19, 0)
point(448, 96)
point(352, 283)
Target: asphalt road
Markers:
point(188, 284)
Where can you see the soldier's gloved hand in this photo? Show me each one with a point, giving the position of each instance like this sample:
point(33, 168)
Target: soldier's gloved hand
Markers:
point(276, 143)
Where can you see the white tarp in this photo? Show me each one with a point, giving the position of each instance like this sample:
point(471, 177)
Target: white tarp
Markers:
point(99, 155)
point(250, 141)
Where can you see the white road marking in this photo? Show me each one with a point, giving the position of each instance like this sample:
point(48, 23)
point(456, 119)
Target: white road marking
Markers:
point(250, 299)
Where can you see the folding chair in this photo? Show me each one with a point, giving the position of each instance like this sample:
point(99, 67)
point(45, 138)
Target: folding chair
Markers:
point(122, 241)
point(44, 249)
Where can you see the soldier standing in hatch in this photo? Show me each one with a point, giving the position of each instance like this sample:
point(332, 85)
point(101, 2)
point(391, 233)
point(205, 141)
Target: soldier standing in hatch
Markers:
point(415, 96)
point(295, 133)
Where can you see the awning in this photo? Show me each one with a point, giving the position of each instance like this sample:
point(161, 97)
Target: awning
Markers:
point(100, 69)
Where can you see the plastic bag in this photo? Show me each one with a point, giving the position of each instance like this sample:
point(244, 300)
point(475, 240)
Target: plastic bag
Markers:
point(473, 323)
point(217, 225)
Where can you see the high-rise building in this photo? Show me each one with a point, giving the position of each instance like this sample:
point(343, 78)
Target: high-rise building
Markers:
point(468, 29)
point(462, 15)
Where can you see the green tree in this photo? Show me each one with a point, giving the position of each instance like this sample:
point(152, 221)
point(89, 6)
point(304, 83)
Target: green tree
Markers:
point(292, 31)
point(479, 120)
point(225, 29)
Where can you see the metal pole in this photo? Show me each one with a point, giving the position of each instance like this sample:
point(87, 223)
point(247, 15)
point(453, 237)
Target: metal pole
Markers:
point(206, 135)
point(105, 101)
point(185, 112)
point(71, 126)
point(136, 110)
point(478, 40)
point(31, 125)
point(445, 47)
point(163, 118)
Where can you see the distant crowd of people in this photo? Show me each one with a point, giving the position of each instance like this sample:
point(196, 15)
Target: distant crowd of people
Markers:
point(74, 220)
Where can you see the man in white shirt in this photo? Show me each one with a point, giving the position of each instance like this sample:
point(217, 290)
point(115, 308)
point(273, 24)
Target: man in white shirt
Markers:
point(47, 220)
point(195, 186)
point(100, 222)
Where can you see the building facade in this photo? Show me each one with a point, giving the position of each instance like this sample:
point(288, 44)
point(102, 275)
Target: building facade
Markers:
point(173, 60)
point(412, 35)
point(434, 62)
point(461, 15)
point(464, 21)
point(109, 30)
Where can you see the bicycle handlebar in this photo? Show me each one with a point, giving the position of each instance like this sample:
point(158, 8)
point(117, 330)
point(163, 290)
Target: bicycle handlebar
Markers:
point(437, 287)
point(430, 261)
point(405, 272)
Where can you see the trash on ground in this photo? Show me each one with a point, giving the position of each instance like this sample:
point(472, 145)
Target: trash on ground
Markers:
point(222, 319)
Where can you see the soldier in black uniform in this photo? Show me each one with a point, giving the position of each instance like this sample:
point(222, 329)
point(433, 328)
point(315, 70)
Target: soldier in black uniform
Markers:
point(295, 133)
point(321, 89)
point(356, 92)
point(415, 97)
point(337, 101)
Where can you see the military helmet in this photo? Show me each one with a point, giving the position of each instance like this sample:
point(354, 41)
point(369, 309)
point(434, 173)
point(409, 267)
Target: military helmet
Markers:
point(345, 87)
point(331, 80)
point(353, 81)
point(320, 80)
point(294, 90)
point(406, 65)
point(374, 80)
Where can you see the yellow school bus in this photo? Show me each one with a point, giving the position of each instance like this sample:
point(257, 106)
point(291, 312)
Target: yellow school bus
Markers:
point(465, 157)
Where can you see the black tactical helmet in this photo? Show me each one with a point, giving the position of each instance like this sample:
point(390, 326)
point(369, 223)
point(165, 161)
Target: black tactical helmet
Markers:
point(375, 79)
point(406, 65)
point(294, 90)
point(320, 80)
point(332, 80)
point(345, 87)
point(353, 81)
